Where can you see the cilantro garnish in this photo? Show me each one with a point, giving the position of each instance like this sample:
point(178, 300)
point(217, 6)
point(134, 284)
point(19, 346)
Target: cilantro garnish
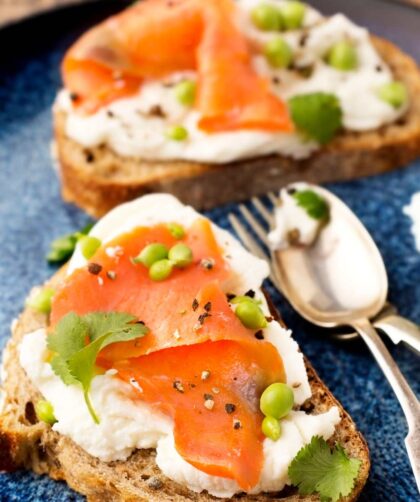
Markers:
point(63, 247)
point(317, 115)
point(316, 206)
point(318, 469)
point(77, 340)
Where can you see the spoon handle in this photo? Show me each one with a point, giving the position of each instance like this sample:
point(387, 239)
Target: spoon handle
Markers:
point(408, 401)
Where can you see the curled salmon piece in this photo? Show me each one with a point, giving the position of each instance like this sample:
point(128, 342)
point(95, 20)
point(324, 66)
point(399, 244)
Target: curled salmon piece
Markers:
point(155, 38)
point(198, 364)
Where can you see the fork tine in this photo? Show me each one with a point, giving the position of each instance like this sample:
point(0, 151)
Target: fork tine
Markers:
point(253, 223)
point(252, 246)
point(273, 198)
point(265, 213)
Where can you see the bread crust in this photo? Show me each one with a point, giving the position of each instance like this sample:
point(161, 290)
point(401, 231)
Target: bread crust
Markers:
point(99, 185)
point(29, 444)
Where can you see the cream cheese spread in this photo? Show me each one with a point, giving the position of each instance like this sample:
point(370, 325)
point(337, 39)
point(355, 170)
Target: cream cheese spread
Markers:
point(125, 424)
point(413, 211)
point(131, 127)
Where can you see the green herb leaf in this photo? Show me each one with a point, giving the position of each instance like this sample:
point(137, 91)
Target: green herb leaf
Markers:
point(315, 205)
point(77, 340)
point(317, 115)
point(318, 469)
point(63, 247)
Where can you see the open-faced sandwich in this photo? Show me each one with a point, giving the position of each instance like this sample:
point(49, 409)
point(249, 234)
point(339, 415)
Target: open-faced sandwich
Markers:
point(218, 100)
point(153, 367)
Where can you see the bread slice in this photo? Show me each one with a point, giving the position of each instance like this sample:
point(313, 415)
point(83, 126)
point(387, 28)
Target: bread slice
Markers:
point(27, 443)
point(97, 179)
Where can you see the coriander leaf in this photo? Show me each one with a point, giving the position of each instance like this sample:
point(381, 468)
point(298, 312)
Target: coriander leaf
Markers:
point(61, 369)
point(77, 340)
point(317, 115)
point(63, 247)
point(318, 469)
point(69, 335)
point(107, 322)
point(316, 206)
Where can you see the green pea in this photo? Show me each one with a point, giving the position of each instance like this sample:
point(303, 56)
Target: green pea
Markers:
point(394, 93)
point(41, 301)
point(176, 230)
point(177, 133)
point(271, 428)
point(151, 254)
point(278, 53)
point(89, 245)
point(251, 316)
point(277, 400)
point(45, 412)
point(343, 56)
point(292, 14)
point(180, 255)
point(160, 270)
point(266, 17)
point(185, 92)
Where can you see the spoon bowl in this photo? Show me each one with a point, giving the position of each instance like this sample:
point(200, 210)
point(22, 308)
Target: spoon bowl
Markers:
point(341, 278)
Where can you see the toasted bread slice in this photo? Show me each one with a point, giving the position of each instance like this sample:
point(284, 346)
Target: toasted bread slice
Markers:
point(27, 443)
point(98, 179)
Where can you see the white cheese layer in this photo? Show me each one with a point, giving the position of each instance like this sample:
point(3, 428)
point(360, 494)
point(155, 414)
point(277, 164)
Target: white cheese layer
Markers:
point(292, 222)
point(126, 425)
point(129, 127)
point(413, 211)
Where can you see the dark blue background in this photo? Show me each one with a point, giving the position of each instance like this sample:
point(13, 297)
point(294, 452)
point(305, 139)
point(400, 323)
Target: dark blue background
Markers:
point(32, 214)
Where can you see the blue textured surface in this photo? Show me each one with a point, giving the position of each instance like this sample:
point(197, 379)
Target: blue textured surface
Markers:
point(32, 214)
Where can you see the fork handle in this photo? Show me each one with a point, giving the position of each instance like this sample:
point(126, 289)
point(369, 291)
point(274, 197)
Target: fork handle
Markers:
point(406, 397)
point(400, 329)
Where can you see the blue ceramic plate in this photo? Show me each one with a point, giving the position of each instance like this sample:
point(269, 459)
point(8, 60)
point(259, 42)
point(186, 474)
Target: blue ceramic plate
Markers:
point(32, 214)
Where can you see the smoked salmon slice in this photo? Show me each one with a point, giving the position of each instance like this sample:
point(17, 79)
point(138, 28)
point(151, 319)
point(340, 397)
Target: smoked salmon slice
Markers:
point(217, 423)
point(155, 38)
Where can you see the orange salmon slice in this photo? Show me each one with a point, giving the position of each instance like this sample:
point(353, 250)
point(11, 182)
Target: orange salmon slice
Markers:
point(217, 423)
point(155, 38)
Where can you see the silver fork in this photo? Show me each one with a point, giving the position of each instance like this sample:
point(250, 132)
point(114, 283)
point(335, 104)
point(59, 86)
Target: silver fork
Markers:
point(388, 321)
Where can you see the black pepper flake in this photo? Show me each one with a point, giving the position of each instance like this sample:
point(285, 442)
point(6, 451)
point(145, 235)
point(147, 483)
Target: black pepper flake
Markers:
point(208, 397)
point(378, 68)
point(303, 39)
point(250, 293)
point(74, 96)
point(207, 263)
point(291, 190)
point(177, 385)
point(230, 408)
point(89, 156)
point(192, 385)
point(111, 275)
point(157, 111)
point(207, 307)
point(94, 268)
point(203, 317)
point(259, 335)
point(195, 304)
point(269, 318)
point(276, 80)
point(237, 424)
point(110, 114)
point(230, 296)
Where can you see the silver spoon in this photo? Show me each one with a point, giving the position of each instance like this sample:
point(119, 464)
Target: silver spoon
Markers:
point(341, 281)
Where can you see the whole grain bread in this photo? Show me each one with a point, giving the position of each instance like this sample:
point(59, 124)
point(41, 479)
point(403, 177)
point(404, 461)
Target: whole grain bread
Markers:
point(97, 179)
point(29, 444)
